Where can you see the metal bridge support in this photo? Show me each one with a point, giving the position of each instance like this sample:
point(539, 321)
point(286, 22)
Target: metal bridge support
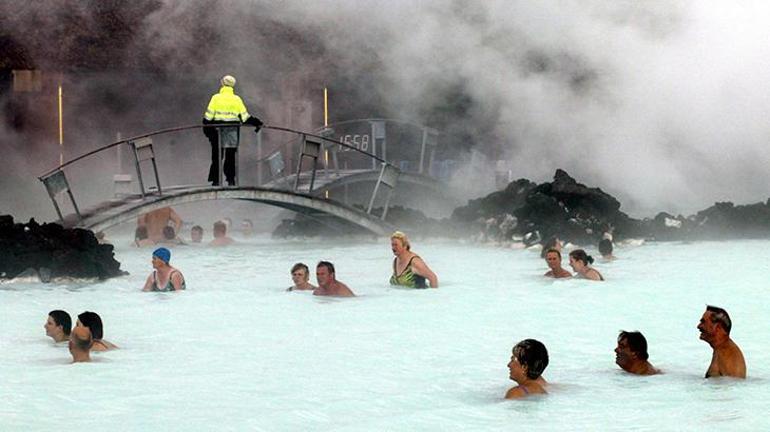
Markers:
point(311, 148)
point(429, 138)
point(56, 183)
point(143, 151)
point(388, 177)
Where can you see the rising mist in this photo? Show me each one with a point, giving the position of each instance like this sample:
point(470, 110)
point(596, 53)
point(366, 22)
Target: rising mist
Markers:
point(663, 104)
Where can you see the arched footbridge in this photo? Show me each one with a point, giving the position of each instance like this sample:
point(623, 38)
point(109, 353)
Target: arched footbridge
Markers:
point(304, 190)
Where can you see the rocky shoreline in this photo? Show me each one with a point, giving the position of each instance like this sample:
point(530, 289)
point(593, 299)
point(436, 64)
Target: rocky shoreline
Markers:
point(49, 251)
point(532, 213)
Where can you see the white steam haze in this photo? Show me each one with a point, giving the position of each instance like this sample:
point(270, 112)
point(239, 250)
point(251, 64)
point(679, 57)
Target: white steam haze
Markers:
point(663, 104)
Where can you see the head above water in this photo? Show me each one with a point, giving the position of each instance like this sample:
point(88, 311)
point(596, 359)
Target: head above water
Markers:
point(169, 233)
point(300, 266)
point(720, 317)
point(326, 264)
point(81, 339)
point(531, 354)
point(162, 254)
point(93, 321)
point(220, 229)
point(581, 255)
point(228, 81)
point(196, 234)
point(400, 236)
point(636, 342)
point(62, 319)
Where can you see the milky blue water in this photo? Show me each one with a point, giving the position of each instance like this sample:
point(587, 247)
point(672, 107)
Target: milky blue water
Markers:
point(237, 352)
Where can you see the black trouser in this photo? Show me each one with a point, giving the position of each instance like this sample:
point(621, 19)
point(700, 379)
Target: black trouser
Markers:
point(229, 155)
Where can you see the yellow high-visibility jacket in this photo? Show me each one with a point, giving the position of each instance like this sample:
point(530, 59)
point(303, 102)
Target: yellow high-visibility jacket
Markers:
point(226, 106)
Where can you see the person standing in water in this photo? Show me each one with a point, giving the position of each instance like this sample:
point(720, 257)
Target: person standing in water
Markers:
point(220, 235)
point(727, 358)
point(605, 249)
point(80, 343)
point(409, 269)
point(581, 264)
point(158, 219)
point(553, 259)
point(300, 275)
point(528, 361)
point(631, 354)
point(328, 285)
point(164, 277)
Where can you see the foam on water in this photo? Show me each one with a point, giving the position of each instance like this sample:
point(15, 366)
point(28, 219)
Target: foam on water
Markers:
point(237, 352)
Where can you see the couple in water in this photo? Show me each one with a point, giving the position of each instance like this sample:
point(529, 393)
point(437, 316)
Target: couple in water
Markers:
point(579, 260)
point(328, 285)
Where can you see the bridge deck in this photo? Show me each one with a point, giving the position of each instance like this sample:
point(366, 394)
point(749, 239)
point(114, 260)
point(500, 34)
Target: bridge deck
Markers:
point(330, 212)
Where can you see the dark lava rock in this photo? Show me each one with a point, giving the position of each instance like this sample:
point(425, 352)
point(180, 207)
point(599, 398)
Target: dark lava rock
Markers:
point(563, 208)
point(53, 251)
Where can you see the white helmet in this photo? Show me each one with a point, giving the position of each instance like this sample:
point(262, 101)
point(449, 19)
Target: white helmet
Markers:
point(228, 80)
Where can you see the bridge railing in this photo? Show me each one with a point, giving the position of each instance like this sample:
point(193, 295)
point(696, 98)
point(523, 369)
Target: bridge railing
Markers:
point(311, 146)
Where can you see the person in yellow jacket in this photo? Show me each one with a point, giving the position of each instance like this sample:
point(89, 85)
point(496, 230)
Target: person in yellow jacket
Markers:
point(225, 107)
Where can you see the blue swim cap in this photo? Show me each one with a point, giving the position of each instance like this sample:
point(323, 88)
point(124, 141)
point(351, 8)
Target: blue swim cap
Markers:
point(163, 254)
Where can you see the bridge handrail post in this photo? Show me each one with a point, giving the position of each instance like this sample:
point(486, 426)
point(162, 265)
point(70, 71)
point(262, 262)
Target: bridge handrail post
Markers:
point(143, 150)
point(299, 162)
point(56, 183)
point(312, 149)
point(388, 177)
point(138, 168)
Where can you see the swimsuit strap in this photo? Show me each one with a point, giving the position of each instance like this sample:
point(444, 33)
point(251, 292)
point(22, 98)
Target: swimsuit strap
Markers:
point(408, 265)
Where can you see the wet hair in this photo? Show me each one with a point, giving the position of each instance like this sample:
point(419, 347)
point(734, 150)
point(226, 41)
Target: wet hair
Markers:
point(549, 244)
point(721, 317)
point(605, 247)
point(197, 228)
point(552, 250)
point(404, 239)
point(93, 321)
point(169, 233)
point(581, 255)
point(62, 318)
point(326, 264)
point(220, 227)
point(141, 233)
point(298, 266)
point(636, 341)
point(532, 354)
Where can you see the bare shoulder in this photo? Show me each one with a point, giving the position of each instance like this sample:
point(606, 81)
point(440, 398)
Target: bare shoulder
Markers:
point(515, 393)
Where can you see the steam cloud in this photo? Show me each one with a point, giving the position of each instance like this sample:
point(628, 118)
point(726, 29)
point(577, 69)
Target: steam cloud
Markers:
point(664, 104)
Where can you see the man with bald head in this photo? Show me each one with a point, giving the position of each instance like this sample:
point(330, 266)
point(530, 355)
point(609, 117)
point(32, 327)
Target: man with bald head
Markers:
point(80, 344)
point(727, 358)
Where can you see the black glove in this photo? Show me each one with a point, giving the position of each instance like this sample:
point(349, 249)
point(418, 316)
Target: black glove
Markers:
point(254, 121)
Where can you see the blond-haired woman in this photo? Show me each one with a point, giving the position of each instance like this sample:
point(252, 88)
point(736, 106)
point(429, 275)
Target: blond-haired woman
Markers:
point(409, 269)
